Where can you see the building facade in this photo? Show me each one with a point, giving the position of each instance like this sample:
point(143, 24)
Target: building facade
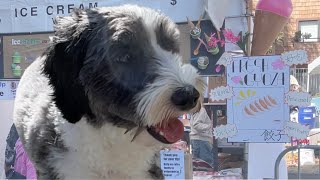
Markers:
point(301, 32)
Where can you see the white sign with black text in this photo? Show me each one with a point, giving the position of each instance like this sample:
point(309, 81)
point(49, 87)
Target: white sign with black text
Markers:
point(36, 15)
point(172, 164)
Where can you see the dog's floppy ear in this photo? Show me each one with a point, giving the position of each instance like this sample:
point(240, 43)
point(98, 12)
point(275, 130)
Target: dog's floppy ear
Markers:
point(64, 59)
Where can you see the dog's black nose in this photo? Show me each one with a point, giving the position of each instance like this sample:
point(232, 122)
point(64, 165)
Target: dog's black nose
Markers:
point(185, 98)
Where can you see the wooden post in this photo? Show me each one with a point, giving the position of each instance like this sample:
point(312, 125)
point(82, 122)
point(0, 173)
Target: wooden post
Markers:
point(249, 5)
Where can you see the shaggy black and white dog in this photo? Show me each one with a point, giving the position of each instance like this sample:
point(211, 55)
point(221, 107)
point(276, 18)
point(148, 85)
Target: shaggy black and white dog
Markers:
point(104, 98)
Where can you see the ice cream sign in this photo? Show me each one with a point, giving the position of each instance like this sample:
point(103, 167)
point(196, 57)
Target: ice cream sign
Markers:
point(20, 42)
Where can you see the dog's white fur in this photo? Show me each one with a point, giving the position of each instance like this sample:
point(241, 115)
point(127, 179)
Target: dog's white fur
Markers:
point(105, 152)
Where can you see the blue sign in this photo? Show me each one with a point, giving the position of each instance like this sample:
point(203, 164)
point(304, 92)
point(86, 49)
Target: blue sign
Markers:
point(307, 116)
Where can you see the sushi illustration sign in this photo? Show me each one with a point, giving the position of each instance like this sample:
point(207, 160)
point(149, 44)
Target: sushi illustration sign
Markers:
point(258, 107)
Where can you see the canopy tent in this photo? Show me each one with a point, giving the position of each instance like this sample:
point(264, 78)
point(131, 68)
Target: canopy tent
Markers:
point(219, 10)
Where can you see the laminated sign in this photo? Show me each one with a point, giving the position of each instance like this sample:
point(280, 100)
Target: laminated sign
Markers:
point(172, 164)
point(258, 108)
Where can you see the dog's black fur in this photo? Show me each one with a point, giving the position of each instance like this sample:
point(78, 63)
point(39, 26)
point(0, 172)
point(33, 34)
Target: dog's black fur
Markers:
point(104, 59)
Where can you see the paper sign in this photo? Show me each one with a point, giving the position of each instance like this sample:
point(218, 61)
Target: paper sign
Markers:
point(8, 89)
point(225, 59)
point(258, 108)
point(225, 131)
point(298, 99)
point(221, 93)
point(214, 82)
point(172, 164)
point(296, 130)
point(307, 157)
point(295, 57)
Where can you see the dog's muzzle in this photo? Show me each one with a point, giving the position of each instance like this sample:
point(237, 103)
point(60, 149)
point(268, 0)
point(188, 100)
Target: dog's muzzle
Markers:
point(185, 98)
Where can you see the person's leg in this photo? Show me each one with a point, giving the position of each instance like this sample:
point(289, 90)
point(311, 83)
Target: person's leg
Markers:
point(195, 147)
point(206, 152)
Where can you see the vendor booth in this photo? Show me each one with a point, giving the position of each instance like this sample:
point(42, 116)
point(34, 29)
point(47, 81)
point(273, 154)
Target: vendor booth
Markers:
point(246, 90)
point(26, 29)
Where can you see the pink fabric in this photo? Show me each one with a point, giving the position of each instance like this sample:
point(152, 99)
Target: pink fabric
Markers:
point(22, 164)
point(180, 145)
point(280, 7)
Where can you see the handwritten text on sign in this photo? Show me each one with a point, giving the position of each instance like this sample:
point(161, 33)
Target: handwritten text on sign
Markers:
point(295, 57)
point(221, 93)
point(272, 135)
point(296, 130)
point(257, 108)
point(225, 131)
point(298, 99)
point(172, 164)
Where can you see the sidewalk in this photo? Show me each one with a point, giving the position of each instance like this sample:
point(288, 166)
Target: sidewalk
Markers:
point(307, 172)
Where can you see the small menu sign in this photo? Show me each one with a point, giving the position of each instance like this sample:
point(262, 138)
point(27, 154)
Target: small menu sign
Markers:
point(172, 164)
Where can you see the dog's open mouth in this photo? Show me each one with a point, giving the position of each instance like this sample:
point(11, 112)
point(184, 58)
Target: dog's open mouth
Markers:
point(169, 133)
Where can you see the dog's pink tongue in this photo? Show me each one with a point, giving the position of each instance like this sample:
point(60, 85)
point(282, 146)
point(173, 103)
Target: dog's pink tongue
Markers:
point(173, 132)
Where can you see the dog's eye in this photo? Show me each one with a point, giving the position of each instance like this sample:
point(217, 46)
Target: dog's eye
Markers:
point(127, 57)
point(124, 59)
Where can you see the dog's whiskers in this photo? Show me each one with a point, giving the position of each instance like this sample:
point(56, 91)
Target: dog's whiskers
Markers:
point(128, 129)
point(139, 130)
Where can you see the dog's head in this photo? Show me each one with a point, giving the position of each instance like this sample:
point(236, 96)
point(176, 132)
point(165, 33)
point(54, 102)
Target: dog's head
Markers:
point(122, 65)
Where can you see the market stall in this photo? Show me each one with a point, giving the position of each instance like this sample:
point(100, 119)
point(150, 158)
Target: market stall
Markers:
point(27, 29)
point(255, 89)
point(245, 88)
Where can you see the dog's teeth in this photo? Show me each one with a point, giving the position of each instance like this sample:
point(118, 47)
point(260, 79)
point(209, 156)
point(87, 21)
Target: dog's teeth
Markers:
point(161, 133)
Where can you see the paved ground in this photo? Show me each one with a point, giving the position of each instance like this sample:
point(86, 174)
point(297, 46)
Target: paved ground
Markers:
point(307, 172)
